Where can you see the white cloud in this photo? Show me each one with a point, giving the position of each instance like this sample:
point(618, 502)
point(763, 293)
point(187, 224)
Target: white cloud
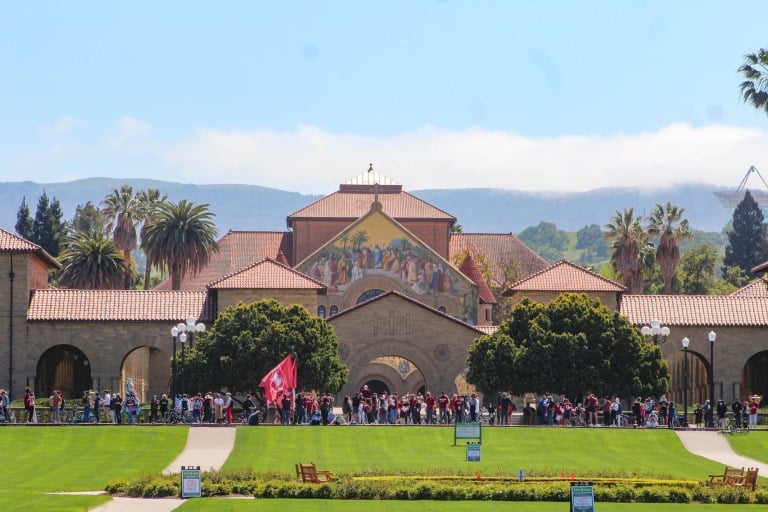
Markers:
point(311, 159)
point(62, 126)
point(129, 130)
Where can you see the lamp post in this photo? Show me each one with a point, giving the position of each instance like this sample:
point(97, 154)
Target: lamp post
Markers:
point(183, 339)
point(175, 335)
point(655, 332)
point(712, 337)
point(192, 328)
point(685, 342)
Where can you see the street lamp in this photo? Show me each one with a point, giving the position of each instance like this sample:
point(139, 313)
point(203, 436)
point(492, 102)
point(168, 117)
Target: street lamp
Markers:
point(183, 340)
point(712, 337)
point(686, 342)
point(191, 328)
point(655, 332)
point(175, 334)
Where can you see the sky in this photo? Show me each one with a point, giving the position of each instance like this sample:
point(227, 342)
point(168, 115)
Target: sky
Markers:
point(300, 96)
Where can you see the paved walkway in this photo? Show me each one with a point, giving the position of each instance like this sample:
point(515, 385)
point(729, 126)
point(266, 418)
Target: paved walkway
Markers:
point(714, 446)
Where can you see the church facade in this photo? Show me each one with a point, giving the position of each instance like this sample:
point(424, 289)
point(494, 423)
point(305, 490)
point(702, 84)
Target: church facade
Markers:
point(404, 293)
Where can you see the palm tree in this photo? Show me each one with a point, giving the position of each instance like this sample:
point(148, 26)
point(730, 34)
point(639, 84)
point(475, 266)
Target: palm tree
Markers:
point(754, 89)
point(667, 223)
point(149, 200)
point(180, 240)
point(91, 261)
point(628, 242)
point(121, 207)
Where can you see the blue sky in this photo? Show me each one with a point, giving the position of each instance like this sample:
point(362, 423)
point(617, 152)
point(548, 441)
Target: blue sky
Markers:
point(303, 95)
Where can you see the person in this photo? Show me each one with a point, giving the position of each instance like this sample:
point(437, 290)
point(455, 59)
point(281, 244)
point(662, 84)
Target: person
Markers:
point(154, 407)
point(616, 412)
point(4, 404)
point(131, 408)
point(442, 407)
point(430, 402)
point(698, 414)
point(722, 411)
point(86, 407)
point(107, 403)
point(285, 410)
point(736, 408)
point(346, 409)
point(29, 408)
point(671, 415)
point(753, 408)
point(117, 409)
point(636, 412)
point(55, 402)
point(229, 405)
point(709, 419)
point(218, 408)
point(208, 408)
point(248, 405)
point(591, 410)
point(163, 406)
point(325, 409)
point(33, 403)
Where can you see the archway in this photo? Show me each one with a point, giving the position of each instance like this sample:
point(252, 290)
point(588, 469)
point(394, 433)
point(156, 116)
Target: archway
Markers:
point(393, 374)
point(65, 368)
point(149, 369)
point(754, 377)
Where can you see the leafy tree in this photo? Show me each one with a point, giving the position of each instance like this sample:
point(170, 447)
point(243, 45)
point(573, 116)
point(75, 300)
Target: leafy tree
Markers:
point(247, 341)
point(48, 229)
point(735, 276)
point(546, 240)
point(456, 228)
point(754, 89)
point(122, 208)
point(631, 251)
point(24, 222)
point(747, 240)
point(667, 223)
point(91, 261)
point(180, 240)
point(149, 202)
point(696, 273)
point(591, 240)
point(359, 238)
point(573, 345)
point(88, 218)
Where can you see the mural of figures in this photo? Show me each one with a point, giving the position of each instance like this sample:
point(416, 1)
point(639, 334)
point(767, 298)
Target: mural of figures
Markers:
point(377, 245)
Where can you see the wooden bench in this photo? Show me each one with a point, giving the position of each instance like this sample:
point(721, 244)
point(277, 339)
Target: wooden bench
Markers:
point(726, 478)
point(310, 473)
point(748, 481)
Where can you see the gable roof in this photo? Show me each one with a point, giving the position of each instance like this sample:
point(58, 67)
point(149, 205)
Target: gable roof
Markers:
point(267, 274)
point(469, 269)
point(396, 294)
point(352, 205)
point(117, 305)
point(501, 250)
point(696, 310)
point(11, 242)
point(757, 288)
point(564, 276)
point(237, 250)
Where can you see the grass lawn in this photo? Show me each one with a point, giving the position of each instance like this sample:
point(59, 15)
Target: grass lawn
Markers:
point(584, 452)
point(236, 505)
point(753, 445)
point(38, 460)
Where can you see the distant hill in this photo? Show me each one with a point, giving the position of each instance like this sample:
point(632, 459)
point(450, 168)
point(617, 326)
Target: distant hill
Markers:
point(249, 207)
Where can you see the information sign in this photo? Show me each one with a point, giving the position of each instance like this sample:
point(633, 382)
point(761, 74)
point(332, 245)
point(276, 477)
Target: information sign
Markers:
point(473, 452)
point(467, 431)
point(190, 482)
point(582, 498)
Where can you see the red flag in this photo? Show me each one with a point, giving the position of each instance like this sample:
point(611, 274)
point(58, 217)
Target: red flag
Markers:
point(279, 380)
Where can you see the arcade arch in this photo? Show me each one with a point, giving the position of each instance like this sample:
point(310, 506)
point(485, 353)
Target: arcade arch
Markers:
point(149, 370)
point(391, 373)
point(754, 377)
point(64, 368)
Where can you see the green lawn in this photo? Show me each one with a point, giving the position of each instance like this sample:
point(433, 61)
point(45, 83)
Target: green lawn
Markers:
point(753, 445)
point(584, 452)
point(38, 460)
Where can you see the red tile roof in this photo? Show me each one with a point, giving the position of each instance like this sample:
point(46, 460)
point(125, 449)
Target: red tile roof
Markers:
point(267, 274)
point(117, 305)
point(237, 250)
point(696, 310)
point(501, 251)
point(10, 242)
point(487, 329)
point(353, 205)
point(757, 288)
point(763, 267)
point(469, 269)
point(393, 293)
point(564, 276)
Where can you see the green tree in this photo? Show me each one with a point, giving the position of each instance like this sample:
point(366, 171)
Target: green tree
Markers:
point(180, 240)
point(573, 345)
point(48, 229)
point(667, 223)
point(630, 250)
point(24, 222)
point(754, 89)
point(88, 218)
point(91, 261)
point(359, 238)
point(122, 208)
point(247, 341)
point(697, 271)
point(747, 241)
point(546, 240)
point(149, 204)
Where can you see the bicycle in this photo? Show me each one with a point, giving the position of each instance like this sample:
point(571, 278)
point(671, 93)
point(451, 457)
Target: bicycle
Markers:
point(174, 417)
point(731, 428)
point(10, 419)
point(76, 416)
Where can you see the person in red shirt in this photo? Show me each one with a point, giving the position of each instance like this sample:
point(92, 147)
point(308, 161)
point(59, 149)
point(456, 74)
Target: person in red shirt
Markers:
point(442, 407)
point(430, 401)
point(753, 408)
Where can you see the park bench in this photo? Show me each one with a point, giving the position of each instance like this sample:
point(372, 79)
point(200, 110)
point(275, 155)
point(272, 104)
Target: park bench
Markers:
point(726, 478)
point(310, 473)
point(748, 481)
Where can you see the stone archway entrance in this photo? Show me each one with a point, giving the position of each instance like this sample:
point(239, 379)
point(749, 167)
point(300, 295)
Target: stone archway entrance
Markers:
point(149, 369)
point(65, 368)
point(393, 374)
point(754, 377)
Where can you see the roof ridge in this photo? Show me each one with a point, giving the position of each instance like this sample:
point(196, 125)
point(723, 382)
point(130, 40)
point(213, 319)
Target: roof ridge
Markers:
point(570, 264)
point(261, 262)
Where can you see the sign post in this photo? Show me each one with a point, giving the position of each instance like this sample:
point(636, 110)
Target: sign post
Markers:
point(473, 452)
point(190, 482)
point(582, 497)
point(467, 431)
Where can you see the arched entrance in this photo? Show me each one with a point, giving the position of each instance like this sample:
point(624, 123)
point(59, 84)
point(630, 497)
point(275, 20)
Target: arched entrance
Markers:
point(754, 378)
point(65, 368)
point(393, 374)
point(149, 369)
